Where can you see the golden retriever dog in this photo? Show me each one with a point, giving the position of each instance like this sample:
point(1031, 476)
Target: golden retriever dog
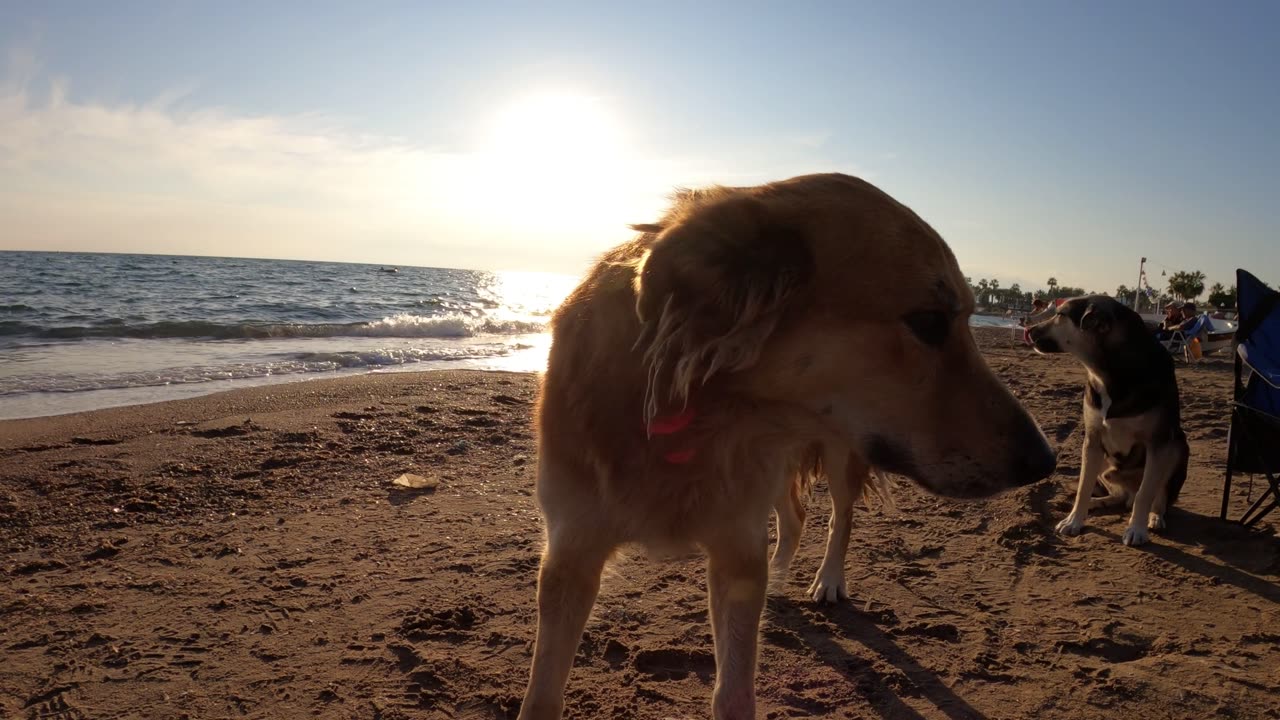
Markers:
point(849, 479)
point(694, 366)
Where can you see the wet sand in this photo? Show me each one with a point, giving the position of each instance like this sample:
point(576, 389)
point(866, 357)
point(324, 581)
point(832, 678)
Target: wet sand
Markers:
point(243, 555)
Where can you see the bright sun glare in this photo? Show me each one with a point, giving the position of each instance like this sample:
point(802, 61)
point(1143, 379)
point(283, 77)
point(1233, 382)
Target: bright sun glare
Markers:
point(560, 127)
point(554, 158)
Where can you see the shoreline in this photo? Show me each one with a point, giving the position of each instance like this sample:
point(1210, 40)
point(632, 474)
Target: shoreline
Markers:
point(45, 404)
point(109, 422)
point(32, 405)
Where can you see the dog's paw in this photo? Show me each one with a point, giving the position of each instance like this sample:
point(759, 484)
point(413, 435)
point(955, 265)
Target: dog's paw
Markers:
point(1155, 522)
point(1134, 536)
point(829, 587)
point(1071, 525)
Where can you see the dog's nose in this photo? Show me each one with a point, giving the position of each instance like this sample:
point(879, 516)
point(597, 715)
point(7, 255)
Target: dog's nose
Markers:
point(1033, 459)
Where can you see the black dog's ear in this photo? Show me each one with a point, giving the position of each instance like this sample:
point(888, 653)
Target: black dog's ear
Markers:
point(1096, 320)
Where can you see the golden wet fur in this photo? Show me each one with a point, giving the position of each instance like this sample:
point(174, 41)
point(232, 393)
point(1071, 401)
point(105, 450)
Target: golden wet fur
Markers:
point(816, 311)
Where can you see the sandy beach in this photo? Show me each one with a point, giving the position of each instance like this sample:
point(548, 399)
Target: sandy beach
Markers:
point(245, 555)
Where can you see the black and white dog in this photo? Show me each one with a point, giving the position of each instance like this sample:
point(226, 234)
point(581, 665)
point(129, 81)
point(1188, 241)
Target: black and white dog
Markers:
point(1133, 438)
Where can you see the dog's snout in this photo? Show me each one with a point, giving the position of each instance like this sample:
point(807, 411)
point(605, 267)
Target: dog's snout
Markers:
point(1041, 340)
point(1033, 459)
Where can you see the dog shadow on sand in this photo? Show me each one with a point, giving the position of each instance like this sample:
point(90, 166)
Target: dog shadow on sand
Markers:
point(1246, 556)
point(820, 632)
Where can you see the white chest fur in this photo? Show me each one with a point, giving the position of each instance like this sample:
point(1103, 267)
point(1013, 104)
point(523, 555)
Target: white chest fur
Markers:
point(1104, 398)
point(1121, 435)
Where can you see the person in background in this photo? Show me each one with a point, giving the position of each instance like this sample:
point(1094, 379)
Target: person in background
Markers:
point(1188, 313)
point(1178, 317)
point(1040, 310)
point(1190, 316)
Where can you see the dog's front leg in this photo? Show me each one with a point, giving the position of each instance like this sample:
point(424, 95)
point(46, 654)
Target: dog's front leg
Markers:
point(568, 583)
point(1154, 477)
point(737, 579)
point(1091, 461)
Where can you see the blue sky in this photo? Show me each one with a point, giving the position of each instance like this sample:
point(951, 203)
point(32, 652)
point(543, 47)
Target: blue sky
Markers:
point(1041, 139)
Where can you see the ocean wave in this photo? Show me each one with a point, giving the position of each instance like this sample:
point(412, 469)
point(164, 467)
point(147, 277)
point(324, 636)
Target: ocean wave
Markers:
point(997, 321)
point(16, 307)
point(400, 325)
point(299, 364)
point(409, 325)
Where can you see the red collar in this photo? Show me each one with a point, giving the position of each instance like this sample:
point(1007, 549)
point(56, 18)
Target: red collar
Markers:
point(670, 425)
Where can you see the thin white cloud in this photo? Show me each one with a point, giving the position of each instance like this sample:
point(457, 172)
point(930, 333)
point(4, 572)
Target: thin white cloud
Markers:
point(163, 176)
point(158, 178)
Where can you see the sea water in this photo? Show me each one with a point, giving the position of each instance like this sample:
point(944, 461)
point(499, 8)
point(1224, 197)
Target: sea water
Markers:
point(80, 331)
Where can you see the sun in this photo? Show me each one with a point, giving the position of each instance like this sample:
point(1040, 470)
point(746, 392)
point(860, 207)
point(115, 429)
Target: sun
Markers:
point(555, 169)
point(551, 158)
point(565, 128)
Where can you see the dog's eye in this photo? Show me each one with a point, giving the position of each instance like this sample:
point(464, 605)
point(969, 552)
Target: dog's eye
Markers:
point(930, 326)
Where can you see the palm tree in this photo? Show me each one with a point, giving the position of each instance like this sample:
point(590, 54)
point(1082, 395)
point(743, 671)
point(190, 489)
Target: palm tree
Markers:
point(1187, 284)
point(1053, 286)
point(1222, 297)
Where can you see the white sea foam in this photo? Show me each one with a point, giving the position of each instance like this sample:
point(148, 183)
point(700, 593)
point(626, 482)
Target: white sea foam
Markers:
point(301, 363)
point(447, 326)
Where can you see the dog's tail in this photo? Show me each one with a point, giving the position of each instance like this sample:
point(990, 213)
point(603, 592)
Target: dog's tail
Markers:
point(859, 477)
point(865, 481)
point(862, 480)
point(808, 468)
point(878, 484)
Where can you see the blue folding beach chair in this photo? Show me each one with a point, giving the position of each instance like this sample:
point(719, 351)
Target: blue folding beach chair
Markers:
point(1180, 341)
point(1253, 444)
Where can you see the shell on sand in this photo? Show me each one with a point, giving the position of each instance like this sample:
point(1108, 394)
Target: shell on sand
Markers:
point(410, 481)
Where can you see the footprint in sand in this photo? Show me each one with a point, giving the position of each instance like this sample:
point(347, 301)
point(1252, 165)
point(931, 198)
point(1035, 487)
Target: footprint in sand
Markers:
point(675, 663)
point(54, 705)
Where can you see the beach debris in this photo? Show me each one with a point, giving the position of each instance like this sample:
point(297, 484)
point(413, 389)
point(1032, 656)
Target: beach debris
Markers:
point(106, 549)
point(79, 440)
point(139, 505)
point(410, 481)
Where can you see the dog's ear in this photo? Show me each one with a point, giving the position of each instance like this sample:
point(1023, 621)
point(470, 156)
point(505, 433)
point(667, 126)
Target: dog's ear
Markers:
point(1096, 320)
point(711, 290)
